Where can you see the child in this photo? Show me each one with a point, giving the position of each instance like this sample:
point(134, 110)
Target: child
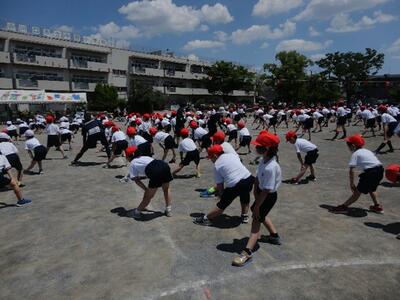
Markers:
point(9, 181)
point(36, 151)
point(11, 153)
point(244, 136)
point(267, 183)
point(303, 146)
point(53, 136)
point(202, 137)
point(319, 118)
point(66, 135)
point(233, 180)
point(389, 125)
point(166, 142)
point(392, 173)
point(118, 144)
point(144, 146)
point(188, 146)
point(159, 175)
point(22, 127)
point(306, 122)
point(370, 121)
point(12, 130)
point(341, 121)
point(232, 131)
point(370, 178)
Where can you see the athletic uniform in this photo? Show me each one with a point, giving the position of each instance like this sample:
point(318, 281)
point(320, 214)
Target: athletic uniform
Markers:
point(311, 151)
point(4, 167)
point(119, 140)
point(165, 139)
point(201, 134)
point(244, 137)
point(391, 123)
point(11, 153)
point(192, 154)
point(53, 135)
point(144, 147)
point(39, 151)
point(157, 171)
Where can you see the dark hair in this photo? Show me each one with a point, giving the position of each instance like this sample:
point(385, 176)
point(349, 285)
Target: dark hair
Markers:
point(272, 152)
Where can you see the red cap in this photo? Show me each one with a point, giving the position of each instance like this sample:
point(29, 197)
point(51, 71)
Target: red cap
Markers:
point(214, 150)
point(392, 173)
point(193, 125)
point(362, 107)
point(264, 131)
point(382, 108)
point(49, 119)
point(219, 136)
point(146, 116)
point(130, 151)
point(184, 132)
point(290, 134)
point(114, 128)
point(267, 140)
point(356, 140)
point(138, 121)
point(173, 112)
point(241, 124)
point(228, 121)
point(153, 130)
point(131, 131)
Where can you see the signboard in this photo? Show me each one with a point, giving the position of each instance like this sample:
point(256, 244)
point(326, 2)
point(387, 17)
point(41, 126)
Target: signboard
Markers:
point(39, 96)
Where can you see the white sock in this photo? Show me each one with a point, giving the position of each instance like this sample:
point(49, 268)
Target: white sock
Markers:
point(168, 208)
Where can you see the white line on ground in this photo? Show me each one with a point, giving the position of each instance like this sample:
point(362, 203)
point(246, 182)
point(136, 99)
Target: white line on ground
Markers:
point(194, 285)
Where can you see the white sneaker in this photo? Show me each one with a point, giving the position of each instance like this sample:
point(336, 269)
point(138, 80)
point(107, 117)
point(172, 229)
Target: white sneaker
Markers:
point(124, 179)
point(168, 212)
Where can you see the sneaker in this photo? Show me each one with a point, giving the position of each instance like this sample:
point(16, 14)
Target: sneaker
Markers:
point(172, 161)
point(168, 212)
point(198, 174)
point(125, 179)
point(271, 239)
point(65, 157)
point(340, 209)
point(245, 219)
point(73, 163)
point(135, 213)
point(242, 259)
point(41, 172)
point(376, 209)
point(202, 221)
point(293, 181)
point(23, 202)
point(311, 178)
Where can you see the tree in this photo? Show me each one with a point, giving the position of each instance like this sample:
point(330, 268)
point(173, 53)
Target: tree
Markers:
point(105, 97)
point(320, 89)
point(288, 77)
point(350, 67)
point(142, 98)
point(225, 77)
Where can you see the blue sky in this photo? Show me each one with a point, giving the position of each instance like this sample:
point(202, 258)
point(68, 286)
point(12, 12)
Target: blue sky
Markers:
point(245, 31)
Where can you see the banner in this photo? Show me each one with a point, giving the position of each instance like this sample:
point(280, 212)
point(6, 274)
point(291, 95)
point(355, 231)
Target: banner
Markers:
point(39, 96)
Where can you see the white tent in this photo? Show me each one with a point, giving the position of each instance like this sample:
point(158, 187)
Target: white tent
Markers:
point(40, 97)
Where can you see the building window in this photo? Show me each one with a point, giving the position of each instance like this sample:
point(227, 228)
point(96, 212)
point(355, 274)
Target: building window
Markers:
point(119, 72)
point(88, 78)
point(35, 76)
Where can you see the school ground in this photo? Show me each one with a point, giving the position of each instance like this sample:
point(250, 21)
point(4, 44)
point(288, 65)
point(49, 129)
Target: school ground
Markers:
point(76, 242)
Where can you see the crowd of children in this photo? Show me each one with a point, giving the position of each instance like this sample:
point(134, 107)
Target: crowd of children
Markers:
point(222, 133)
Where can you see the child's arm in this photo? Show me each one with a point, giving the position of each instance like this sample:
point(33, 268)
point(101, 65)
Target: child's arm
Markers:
point(385, 129)
point(140, 183)
point(351, 178)
point(300, 158)
point(259, 201)
point(30, 154)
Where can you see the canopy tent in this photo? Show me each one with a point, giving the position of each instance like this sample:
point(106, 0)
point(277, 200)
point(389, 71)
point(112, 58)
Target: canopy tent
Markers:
point(40, 97)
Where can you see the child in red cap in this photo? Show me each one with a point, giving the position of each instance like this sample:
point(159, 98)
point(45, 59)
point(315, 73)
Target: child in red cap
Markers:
point(118, 144)
point(370, 178)
point(54, 136)
point(392, 173)
point(303, 146)
point(268, 180)
point(166, 142)
point(159, 175)
point(232, 179)
point(244, 136)
point(188, 146)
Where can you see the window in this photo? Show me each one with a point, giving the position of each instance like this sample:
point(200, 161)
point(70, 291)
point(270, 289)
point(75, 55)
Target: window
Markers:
point(141, 64)
point(35, 76)
point(28, 53)
point(119, 72)
point(88, 78)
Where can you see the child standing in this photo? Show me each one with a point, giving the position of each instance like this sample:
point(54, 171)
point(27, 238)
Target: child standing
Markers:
point(267, 183)
point(372, 175)
point(188, 147)
point(11, 153)
point(36, 151)
point(244, 136)
point(53, 136)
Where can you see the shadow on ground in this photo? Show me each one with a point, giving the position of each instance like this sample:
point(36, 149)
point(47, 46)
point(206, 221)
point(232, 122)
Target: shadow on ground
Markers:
point(147, 215)
point(223, 221)
point(354, 212)
point(393, 228)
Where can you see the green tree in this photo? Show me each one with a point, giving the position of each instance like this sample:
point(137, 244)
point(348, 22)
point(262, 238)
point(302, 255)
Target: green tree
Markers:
point(142, 98)
point(349, 67)
point(320, 89)
point(288, 76)
point(225, 77)
point(105, 97)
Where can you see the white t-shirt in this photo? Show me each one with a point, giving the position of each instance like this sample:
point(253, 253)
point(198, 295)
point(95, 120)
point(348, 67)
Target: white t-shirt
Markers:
point(231, 127)
point(23, 125)
point(137, 140)
point(165, 122)
point(364, 159)
point(341, 112)
point(228, 148)
point(386, 118)
point(160, 137)
point(187, 145)
point(367, 114)
point(302, 117)
point(11, 127)
point(52, 129)
point(64, 124)
point(269, 175)
point(7, 148)
point(32, 143)
point(317, 115)
point(145, 126)
point(118, 136)
point(65, 131)
point(199, 133)
point(229, 170)
point(138, 166)
point(302, 145)
point(244, 132)
point(4, 164)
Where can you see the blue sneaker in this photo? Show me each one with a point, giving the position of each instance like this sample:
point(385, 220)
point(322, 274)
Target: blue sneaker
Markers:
point(206, 194)
point(23, 202)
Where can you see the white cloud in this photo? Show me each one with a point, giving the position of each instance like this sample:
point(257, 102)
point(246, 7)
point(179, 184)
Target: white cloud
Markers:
point(120, 34)
point(316, 57)
point(395, 47)
point(161, 16)
point(263, 32)
point(313, 32)
point(343, 23)
point(302, 45)
point(193, 57)
point(216, 14)
point(221, 36)
point(204, 28)
point(325, 9)
point(265, 8)
point(65, 28)
point(264, 45)
point(203, 44)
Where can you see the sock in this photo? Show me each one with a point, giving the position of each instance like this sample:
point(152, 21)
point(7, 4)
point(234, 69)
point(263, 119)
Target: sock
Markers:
point(168, 208)
point(381, 146)
point(248, 251)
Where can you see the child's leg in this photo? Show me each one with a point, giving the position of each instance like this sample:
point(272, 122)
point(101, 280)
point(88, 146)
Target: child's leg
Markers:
point(165, 154)
point(270, 227)
point(254, 235)
point(374, 198)
point(178, 169)
point(302, 172)
point(216, 212)
point(148, 195)
point(16, 189)
point(33, 162)
point(312, 171)
point(353, 198)
point(198, 170)
point(40, 166)
point(167, 194)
